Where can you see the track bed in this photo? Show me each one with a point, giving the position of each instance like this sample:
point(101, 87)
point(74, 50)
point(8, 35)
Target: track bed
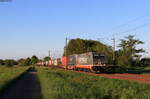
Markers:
point(131, 77)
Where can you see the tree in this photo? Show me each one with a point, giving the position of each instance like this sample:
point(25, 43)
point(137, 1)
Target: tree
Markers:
point(47, 58)
point(75, 46)
point(128, 54)
point(145, 62)
point(21, 62)
point(10, 62)
point(78, 46)
point(1, 62)
point(25, 62)
point(34, 60)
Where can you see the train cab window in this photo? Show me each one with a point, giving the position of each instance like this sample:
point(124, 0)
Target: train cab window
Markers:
point(98, 59)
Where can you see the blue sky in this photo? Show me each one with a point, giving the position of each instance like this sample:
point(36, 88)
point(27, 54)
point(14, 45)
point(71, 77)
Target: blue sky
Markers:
point(30, 27)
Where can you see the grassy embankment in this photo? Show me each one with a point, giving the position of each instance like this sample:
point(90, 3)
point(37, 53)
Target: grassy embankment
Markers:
point(9, 75)
point(146, 70)
point(60, 84)
point(139, 70)
point(132, 70)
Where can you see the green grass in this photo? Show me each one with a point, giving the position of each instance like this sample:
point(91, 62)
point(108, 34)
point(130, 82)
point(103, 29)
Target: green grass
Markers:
point(61, 84)
point(146, 70)
point(134, 70)
point(8, 75)
point(139, 70)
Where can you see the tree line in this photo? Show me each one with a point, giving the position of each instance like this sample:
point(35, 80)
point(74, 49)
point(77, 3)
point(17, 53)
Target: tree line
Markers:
point(128, 53)
point(21, 62)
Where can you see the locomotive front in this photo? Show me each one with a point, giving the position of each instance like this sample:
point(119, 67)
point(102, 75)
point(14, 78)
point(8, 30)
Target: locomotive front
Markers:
point(99, 62)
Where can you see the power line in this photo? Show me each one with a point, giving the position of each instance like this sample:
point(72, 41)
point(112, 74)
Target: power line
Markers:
point(131, 21)
point(138, 27)
point(132, 29)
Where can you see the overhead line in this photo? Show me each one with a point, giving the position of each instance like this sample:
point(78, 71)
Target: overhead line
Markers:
point(141, 26)
point(129, 30)
point(134, 20)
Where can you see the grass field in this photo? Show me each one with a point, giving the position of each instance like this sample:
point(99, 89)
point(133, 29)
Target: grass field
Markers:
point(146, 70)
point(60, 84)
point(8, 74)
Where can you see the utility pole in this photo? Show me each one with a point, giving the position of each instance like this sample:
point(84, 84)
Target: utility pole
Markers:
point(66, 52)
point(49, 53)
point(114, 48)
point(66, 46)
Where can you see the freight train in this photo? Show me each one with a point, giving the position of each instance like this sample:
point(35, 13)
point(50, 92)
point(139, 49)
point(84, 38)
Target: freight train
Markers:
point(90, 61)
point(52, 62)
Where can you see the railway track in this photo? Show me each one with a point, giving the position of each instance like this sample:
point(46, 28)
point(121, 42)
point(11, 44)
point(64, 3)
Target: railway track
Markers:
point(131, 77)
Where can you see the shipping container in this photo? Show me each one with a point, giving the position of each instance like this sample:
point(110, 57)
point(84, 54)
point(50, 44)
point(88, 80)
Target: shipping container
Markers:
point(46, 63)
point(85, 59)
point(57, 61)
point(43, 64)
point(64, 61)
point(50, 62)
point(72, 60)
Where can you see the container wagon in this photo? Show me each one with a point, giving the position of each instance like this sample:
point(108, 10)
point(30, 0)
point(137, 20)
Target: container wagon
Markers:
point(57, 62)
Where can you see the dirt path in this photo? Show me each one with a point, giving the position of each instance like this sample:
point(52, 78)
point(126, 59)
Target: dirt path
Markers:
point(28, 87)
point(131, 77)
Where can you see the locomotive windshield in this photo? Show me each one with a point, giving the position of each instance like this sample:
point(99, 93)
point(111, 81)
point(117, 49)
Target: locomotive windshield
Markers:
point(98, 59)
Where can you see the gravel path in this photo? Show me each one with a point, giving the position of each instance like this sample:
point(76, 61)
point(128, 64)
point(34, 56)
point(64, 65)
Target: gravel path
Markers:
point(131, 77)
point(28, 87)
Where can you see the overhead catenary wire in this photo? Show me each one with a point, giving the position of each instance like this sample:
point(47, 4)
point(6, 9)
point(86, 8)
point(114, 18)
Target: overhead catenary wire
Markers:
point(138, 27)
point(131, 21)
point(130, 30)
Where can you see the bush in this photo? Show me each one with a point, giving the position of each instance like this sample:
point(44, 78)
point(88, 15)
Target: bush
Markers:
point(10, 62)
point(1, 62)
point(24, 62)
point(34, 60)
